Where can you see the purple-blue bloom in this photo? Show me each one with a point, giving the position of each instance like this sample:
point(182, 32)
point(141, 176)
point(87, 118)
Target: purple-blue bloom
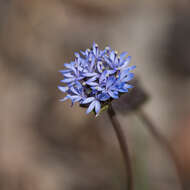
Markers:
point(96, 77)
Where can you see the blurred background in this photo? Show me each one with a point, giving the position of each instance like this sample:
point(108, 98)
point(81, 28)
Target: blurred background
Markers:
point(45, 144)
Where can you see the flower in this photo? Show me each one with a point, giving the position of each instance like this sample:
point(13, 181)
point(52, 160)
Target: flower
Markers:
point(96, 77)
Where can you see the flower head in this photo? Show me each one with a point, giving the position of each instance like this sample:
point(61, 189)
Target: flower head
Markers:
point(96, 77)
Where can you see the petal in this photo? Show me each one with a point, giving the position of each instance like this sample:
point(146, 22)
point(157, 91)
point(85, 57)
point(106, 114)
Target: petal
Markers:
point(91, 107)
point(125, 62)
point(69, 75)
point(123, 55)
point(77, 54)
point(65, 71)
point(78, 85)
point(89, 74)
point(97, 107)
point(95, 49)
point(98, 88)
point(99, 67)
point(63, 88)
point(109, 62)
point(93, 79)
point(92, 63)
point(91, 83)
point(110, 72)
point(126, 70)
point(102, 77)
point(104, 97)
point(74, 90)
point(128, 86)
point(77, 99)
point(69, 66)
point(122, 90)
point(113, 94)
point(88, 100)
point(128, 78)
point(112, 55)
point(83, 53)
point(64, 99)
point(110, 81)
point(68, 80)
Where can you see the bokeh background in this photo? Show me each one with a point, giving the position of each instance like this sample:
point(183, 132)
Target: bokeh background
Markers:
point(45, 144)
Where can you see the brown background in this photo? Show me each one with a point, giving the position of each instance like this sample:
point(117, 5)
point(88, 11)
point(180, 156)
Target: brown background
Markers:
point(45, 144)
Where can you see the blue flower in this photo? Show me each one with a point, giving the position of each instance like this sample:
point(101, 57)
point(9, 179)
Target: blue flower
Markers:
point(96, 77)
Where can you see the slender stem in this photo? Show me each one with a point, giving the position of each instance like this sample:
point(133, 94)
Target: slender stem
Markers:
point(123, 145)
point(164, 142)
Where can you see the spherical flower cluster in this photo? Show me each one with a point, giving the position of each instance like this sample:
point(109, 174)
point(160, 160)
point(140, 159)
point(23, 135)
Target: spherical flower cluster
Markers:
point(96, 77)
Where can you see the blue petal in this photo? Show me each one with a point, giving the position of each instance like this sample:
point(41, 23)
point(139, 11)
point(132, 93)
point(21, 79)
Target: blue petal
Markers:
point(69, 75)
point(112, 55)
point(128, 86)
point(69, 66)
point(92, 63)
point(74, 90)
point(110, 81)
point(99, 67)
point(122, 90)
point(123, 55)
point(64, 99)
point(91, 107)
point(113, 94)
point(103, 97)
point(83, 53)
point(77, 99)
point(103, 76)
point(92, 79)
point(95, 48)
point(97, 107)
point(88, 100)
point(125, 62)
point(128, 69)
point(98, 88)
point(91, 83)
point(68, 80)
point(109, 62)
point(110, 72)
point(128, 78)
point(77, 55)
point(63, 88)
point(123, 74)
point(78, 85)
point(89, 74)
point(64, 71)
